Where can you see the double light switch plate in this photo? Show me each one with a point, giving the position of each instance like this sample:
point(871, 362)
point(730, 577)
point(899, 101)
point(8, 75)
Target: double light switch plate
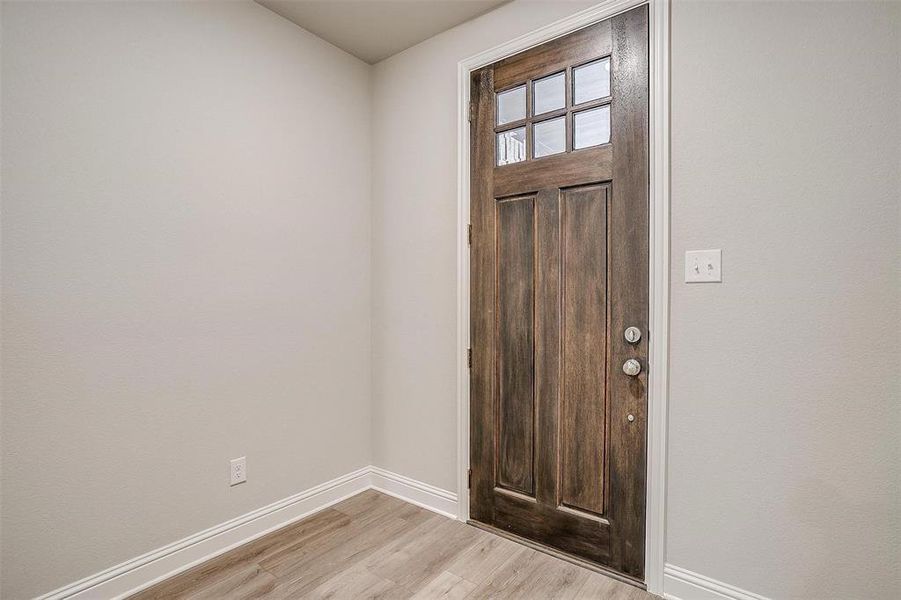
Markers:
point(704, 266)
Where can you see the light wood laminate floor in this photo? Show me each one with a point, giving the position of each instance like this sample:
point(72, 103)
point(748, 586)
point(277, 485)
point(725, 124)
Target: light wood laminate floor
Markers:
point(375, 546)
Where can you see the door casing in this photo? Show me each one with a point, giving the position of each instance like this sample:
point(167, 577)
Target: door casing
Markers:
point(659, 259)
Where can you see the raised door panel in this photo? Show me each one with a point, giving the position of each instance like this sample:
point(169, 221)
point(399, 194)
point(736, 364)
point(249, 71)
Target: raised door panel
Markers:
point(516, 344)
point(583, 400)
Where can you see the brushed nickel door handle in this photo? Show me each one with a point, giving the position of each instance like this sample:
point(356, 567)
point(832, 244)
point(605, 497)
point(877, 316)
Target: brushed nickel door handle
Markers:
point(631, 367)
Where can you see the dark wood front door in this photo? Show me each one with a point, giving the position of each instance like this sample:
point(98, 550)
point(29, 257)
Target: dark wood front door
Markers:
point(559, 265)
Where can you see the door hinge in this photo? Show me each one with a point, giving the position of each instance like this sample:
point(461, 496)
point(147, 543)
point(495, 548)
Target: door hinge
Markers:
point(469, 357)
point(469, 479)
point(469, 234)
point(472, 111)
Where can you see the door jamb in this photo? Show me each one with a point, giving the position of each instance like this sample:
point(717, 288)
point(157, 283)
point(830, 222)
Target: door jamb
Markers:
point(659, 256)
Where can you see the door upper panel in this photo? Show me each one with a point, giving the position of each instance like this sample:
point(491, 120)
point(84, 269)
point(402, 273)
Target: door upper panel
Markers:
point(552, 119)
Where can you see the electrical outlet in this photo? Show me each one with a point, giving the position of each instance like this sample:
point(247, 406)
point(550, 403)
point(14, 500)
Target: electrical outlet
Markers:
point(238, 470)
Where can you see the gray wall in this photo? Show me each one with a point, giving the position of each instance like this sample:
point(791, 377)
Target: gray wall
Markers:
point(784, 428)
point(784, 455)
point(185, 279)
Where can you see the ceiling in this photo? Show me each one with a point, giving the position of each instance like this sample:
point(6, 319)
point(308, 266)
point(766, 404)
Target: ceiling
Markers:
point(373, 30)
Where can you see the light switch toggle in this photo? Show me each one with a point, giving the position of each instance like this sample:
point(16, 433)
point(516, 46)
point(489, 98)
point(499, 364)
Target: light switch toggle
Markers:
point(704, 266)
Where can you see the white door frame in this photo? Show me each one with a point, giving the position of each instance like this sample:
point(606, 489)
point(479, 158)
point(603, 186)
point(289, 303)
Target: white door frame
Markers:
point(659, 13)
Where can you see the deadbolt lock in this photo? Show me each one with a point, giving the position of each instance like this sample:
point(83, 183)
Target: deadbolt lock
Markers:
point(632, 335)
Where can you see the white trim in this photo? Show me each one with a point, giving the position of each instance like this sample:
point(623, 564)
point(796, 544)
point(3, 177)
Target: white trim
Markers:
point(415, 492)
point(682, 584)
point(658, 256)
point(148, 569)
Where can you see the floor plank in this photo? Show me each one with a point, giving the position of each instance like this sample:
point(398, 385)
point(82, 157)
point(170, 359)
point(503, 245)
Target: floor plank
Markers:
point(599, 586)
point(532, 574)
point(446, 586)
point(488, 554)
point(416, 558)
point(378, 547)
point(356, 582)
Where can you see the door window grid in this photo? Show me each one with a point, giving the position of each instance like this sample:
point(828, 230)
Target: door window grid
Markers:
point(511, 105)
point(591, 127)
point(591, 81)
point(549, 137)
point(524, 129)
point(549, 93)
point(511, 146)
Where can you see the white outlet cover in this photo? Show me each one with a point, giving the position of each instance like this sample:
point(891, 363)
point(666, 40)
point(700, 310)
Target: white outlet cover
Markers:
point(704, 266)
point(238, 470)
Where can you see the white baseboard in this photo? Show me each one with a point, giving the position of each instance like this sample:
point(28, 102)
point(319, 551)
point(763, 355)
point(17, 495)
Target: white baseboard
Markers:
point(139, 573)
point(682, 584)
point(415, 492)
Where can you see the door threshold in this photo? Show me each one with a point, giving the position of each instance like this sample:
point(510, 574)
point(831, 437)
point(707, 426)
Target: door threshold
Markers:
point(581, 562)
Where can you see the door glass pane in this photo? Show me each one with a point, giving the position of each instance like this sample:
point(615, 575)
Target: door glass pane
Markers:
point(550, 137)
point(511, 105)
point(511, 146)
point(549, 93)
point(592, 127)
point(591, 81)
